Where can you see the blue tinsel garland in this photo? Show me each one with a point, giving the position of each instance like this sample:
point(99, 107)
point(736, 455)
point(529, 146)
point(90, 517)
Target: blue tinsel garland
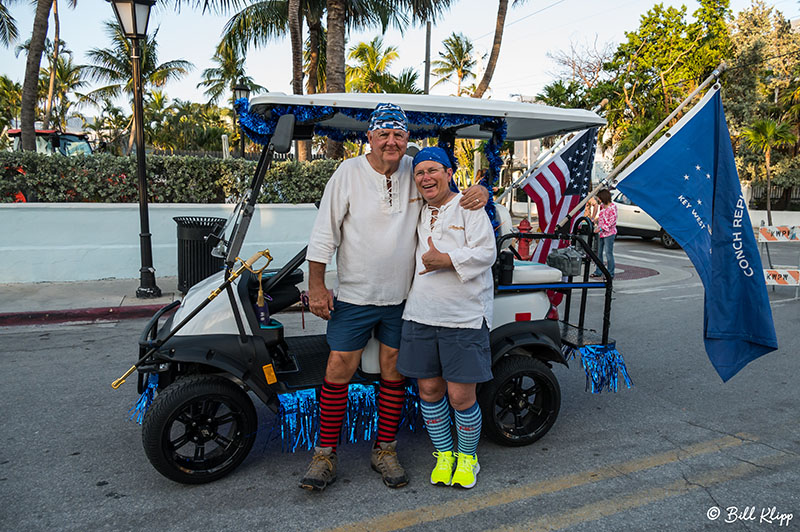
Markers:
point(139, 410)
point(297, 420)
point(260, 129)
point(602, 364)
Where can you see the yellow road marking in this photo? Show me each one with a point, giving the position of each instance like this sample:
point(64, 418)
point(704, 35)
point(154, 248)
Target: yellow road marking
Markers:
point(607, 507)
point(427, 514)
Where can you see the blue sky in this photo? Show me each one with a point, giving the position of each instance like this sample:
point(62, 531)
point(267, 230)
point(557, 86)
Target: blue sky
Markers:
point(532, 30)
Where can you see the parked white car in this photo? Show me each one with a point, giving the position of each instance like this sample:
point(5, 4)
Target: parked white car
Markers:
point(633, 221)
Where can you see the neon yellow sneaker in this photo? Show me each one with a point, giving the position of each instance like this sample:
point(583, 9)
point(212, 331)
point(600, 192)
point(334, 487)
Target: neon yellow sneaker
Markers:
point(466, 471)
point(443, 472)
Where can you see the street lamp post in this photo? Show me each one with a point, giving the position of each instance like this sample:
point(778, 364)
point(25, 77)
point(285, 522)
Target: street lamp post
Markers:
point(133, 16)
point(240, 91)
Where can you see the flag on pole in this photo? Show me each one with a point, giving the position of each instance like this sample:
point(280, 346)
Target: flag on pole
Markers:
point(687, 181)
point(559, 185)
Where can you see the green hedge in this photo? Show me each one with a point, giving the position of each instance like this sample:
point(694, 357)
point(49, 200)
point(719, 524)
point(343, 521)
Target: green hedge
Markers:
point(171, 179)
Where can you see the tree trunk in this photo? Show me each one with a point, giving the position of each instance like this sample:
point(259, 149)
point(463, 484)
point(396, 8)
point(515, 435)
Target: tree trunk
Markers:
point(502, 8)
point(314, 28)
point(53, 66)
point(334, 67)
point(769, 191)
point(296, 36)
point(30, 86)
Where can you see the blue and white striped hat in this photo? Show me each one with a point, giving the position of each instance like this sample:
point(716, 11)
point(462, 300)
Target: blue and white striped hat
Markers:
point(388, 116)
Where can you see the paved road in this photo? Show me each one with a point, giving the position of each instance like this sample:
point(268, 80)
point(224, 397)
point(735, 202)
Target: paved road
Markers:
point(656, 457)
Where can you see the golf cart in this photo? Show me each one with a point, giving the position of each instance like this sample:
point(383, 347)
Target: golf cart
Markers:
point(198, 364)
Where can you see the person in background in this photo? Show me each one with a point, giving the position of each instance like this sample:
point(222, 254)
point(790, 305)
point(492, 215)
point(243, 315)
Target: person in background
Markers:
point(446, 321)
point(606, 229)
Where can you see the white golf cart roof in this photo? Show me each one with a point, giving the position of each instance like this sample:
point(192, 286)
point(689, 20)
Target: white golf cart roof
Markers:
point(524, 120)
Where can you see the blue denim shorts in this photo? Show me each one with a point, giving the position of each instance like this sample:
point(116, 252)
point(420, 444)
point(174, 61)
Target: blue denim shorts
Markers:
point(351, 326)
point(456, 355)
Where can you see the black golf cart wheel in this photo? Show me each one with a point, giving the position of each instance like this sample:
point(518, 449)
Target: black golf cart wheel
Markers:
point(199, 429)
point(521, 403)
point(667, 241)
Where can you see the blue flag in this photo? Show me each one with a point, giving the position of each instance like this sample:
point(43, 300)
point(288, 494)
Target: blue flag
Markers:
point(687, 181)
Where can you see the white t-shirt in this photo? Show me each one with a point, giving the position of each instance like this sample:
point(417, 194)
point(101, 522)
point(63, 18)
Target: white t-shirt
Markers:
point(461, 296)
point(371, 229)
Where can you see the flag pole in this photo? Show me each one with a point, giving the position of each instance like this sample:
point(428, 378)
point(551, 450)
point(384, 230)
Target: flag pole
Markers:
point(543, 157)
point(610, 177)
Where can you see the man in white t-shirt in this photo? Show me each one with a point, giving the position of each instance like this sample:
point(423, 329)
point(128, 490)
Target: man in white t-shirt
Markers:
point(367, 217)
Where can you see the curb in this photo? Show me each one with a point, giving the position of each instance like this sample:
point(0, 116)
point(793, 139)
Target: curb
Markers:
point(88, 315)
point(82, 314)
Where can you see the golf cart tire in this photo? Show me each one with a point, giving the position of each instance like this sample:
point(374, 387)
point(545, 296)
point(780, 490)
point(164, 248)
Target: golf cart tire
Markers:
point(521, 403)
point(196, 412)
point(667, 241)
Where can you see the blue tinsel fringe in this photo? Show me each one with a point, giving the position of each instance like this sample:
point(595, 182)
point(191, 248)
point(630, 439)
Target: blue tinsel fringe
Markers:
point(297, 420)
point(145, 400)
point(602, 364)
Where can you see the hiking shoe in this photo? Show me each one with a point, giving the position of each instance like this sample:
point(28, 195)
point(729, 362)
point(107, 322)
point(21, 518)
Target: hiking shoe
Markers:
point(321, 471)
point(384, 461)
point(443, 472)
point(466, 471)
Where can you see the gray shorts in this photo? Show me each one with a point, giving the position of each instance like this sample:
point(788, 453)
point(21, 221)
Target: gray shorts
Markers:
point(457, 355)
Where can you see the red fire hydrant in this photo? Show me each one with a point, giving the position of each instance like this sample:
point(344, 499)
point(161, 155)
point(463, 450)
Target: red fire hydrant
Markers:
point(524, 245)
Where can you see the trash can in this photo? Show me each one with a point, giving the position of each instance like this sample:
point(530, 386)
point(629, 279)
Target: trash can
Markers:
point(195, 261)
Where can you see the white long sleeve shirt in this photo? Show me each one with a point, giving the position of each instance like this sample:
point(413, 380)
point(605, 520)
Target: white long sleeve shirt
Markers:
point(371, 228)
point(461, 296)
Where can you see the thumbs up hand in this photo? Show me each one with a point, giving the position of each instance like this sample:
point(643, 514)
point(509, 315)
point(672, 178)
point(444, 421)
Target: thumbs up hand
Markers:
point(433, 259)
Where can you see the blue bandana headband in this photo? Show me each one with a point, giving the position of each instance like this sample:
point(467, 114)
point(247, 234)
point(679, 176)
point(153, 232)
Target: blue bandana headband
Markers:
point(388, 116)
point(435, 154)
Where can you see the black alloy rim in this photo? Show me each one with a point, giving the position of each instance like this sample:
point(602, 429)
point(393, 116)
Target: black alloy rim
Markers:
point(205, 435)
point(523, 405)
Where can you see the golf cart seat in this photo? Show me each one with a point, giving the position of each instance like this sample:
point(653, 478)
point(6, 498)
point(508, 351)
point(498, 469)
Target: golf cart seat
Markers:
point(524, 271)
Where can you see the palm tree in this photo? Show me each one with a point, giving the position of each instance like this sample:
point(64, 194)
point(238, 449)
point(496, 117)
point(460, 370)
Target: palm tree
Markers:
point(762, 136)
point(405, 83)
point(8, 25)
point(30, 84)
point(368, 12)
point(371, 71)
point(502, 9)
point(314, 59)
point(54, 60)
point(10, 99)
point(114, 65)
point(458, 59)
point(228, 72)
point(67, 78)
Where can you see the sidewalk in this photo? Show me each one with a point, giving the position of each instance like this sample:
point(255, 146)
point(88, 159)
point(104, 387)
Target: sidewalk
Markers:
point(58, 302)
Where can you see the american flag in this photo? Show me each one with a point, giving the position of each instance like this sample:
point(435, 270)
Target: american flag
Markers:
point(559, 185)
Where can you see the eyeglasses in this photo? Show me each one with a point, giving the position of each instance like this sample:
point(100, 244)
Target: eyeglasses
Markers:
point(429, 171)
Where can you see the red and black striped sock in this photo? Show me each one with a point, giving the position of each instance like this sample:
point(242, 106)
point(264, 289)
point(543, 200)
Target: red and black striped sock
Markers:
point(391, 396)
point(332, 406)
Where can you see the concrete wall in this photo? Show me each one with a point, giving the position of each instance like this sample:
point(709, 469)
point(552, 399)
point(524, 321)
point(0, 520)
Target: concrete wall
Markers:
point(84, 241)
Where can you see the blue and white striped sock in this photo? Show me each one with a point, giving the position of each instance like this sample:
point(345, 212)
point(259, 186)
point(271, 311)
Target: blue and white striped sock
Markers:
point(437, 421)
point(468, 425)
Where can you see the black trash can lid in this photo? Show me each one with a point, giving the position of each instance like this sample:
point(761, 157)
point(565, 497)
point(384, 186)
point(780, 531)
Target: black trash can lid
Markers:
point(197, 221)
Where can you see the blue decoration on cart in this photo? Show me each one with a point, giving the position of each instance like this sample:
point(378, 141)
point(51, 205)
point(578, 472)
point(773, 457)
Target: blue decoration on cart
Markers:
point(297, 420)
point(139, 410)
point(361, 416)
point(259, 128)
point(602, 363)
